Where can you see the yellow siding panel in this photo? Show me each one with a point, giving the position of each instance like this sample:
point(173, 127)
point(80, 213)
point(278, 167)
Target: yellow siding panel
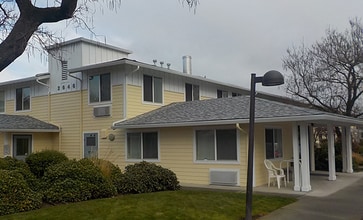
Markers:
point(135, 105)
point(170, 97)
point(44, 141)
point(108, 150)
point(177, 154)
point(66, 113)
point(91, 123)
point(39, 108)
point(260, 169)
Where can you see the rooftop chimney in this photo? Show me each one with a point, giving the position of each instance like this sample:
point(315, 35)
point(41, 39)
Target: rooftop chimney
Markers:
point(187, 65)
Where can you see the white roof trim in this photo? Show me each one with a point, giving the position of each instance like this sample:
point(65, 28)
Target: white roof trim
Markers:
point(31, 130)
point(325, 119)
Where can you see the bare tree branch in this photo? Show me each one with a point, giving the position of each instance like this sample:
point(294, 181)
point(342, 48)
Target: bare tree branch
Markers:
point(20, 25)
point(329, 73)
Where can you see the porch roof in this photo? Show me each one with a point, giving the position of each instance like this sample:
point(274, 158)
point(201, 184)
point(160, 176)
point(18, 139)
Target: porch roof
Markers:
point(24, 123)
point(230, 111)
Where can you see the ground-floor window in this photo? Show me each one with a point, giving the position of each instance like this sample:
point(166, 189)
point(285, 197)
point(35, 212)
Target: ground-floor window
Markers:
point(22, 146)
point(273, 140)
point(142, 145)
point(216, 145)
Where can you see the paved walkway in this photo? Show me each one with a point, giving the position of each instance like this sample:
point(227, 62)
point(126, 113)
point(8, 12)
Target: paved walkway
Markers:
point(329, 200)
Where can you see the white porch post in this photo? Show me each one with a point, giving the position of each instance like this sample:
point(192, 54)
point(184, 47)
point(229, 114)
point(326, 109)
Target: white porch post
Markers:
point(348, 143)
point(305, 170)
point(312, 148)
point(331, 153)
point(344, 149)
point(296, 154)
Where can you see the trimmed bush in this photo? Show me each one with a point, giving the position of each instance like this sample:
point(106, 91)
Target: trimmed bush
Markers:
point(12, 164)
point(74, 181)
point(38, 162)
point(109, 170)
point(147, 177)
point(15, 194)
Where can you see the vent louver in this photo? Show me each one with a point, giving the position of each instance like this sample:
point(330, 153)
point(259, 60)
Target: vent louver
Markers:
point(224, 177)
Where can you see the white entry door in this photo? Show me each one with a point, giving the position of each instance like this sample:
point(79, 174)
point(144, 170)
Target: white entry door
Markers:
point(90, 145)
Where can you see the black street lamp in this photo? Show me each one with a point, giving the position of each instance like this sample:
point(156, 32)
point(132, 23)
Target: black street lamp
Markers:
point(271, 78)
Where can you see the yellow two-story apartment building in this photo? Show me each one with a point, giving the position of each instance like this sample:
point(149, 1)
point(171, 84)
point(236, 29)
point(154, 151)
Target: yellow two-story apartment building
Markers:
point(96, 102)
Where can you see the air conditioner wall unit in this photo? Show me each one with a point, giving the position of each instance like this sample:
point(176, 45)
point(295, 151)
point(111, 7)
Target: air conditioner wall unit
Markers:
point(101, 111)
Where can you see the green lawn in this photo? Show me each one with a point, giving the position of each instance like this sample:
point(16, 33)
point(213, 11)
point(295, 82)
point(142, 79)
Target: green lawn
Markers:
point(183, 204)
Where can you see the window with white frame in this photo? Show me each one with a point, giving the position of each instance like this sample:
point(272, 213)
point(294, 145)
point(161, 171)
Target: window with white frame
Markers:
point(273, 141)
point(153, 89)
point(100, 88)
point(2, 101)
point(142, 146)
point(191, 92)
point(22, 96)
point(216, 145)
point(222, 93)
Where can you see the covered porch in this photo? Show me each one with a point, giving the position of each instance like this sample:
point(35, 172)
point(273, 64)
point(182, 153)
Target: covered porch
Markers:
point(303, 161)
point(321, 185)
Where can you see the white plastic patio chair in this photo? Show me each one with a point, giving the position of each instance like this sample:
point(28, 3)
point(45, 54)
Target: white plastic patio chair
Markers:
point(274, 173)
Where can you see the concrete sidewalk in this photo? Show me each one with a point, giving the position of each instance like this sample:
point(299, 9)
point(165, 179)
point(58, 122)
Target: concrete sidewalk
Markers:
point(330, 200)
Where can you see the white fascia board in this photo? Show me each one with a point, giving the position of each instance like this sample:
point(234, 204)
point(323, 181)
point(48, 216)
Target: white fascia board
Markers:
point(28, 79)
point(157, 68)
point(31, 130)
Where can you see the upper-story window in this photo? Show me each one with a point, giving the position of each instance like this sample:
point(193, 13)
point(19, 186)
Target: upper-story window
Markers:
point(191, 92)
point(153, 89)
point(22, 99)
point(2, 101)
point(100, 88)
point(222, 94)
point(273, 141)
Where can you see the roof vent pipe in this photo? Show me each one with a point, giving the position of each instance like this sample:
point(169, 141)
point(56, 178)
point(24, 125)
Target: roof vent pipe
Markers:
point(187, 65)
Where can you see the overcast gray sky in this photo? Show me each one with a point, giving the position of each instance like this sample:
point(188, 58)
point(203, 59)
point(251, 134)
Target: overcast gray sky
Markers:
point(228, 40)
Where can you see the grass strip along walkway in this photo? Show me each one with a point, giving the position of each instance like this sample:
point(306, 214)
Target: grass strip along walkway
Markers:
point(183, 204)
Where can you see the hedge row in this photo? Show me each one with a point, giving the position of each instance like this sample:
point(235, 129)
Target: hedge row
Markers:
point(50, 177)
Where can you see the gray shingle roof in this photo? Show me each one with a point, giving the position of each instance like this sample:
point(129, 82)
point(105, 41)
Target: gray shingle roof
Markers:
point(24, 123)
point(226, 111)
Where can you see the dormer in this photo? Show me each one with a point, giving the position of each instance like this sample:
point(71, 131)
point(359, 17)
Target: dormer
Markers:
point(74, 54)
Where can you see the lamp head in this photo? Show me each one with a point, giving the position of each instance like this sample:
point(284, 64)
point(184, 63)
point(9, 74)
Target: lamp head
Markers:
point(272, 78)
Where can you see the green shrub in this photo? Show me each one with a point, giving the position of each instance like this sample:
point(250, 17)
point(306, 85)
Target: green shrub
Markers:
point(73, 181)
point(38, 162)
point(321, 157)
point(9, 163)
point(15, 194)
point(109, 170)
point(147, 177)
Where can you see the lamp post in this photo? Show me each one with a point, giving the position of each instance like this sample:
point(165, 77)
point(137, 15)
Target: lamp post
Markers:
point(271, 78)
